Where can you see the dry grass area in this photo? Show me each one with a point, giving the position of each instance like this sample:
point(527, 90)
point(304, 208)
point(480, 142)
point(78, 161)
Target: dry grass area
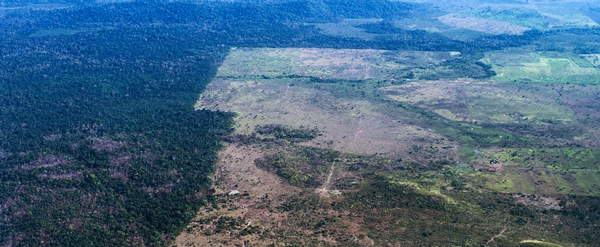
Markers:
point(482, 25)
point(485, 102)
point(347, 125)
point(447, 98)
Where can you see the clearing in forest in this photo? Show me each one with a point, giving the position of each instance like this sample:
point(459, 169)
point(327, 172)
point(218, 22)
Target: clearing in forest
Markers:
point(484, 102)
point(317, 88)
point(514, 66)
point(481, 24)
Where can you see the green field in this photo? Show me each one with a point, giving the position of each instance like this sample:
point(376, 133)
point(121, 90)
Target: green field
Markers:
point(520, 16)
point(485, 102)
point(541, 68)
point(537, 171)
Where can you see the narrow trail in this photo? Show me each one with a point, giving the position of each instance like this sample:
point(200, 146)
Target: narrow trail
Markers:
point(503, 229)
point(464, 101)
point(324, 189)
point(565, 103)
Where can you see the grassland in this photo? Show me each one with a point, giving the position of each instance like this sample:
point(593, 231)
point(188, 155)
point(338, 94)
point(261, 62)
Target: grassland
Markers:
point(481, 24)
point(536, 171)
point(519, 15)
point(561, 15)
point(345, 64)
point(512, 17)
point(593, 59)
point(349, 124)
point(538, 67)
point(485, 102)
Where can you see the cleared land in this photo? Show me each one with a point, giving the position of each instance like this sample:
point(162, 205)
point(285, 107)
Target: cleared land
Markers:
point(353, 125)
point(326, 140)
point(345, 64)
point(512, 18)
point(481, 24)
point(516, 14)
point(538, 171)
point(514, 66)
point(593, 59)
point(278, 86)
point(484, 102)
point(562, 14)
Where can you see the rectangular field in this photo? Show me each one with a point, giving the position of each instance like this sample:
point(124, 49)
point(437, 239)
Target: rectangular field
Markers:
point(514, 66)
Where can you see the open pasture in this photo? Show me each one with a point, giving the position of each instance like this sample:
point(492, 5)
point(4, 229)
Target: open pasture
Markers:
point(563, 15)
point(484, 102)
point(480, 24)
point(549, 171)
point(594, 59)
point(537, 181)
point(515, 104)
point(351, 125)
point(282, 90)
point(503, 18)
point(512, 66)
point(551, 158)
point(345, 64)
point(518, 15)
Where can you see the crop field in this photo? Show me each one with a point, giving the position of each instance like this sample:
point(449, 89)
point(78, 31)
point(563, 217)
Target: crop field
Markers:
point(541, 67)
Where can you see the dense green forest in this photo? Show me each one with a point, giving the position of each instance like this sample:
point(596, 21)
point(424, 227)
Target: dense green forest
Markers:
point(105, 154)
point(99, 141)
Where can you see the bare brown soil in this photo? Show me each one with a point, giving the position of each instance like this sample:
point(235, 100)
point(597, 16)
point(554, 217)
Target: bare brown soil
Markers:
point(258, 207)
